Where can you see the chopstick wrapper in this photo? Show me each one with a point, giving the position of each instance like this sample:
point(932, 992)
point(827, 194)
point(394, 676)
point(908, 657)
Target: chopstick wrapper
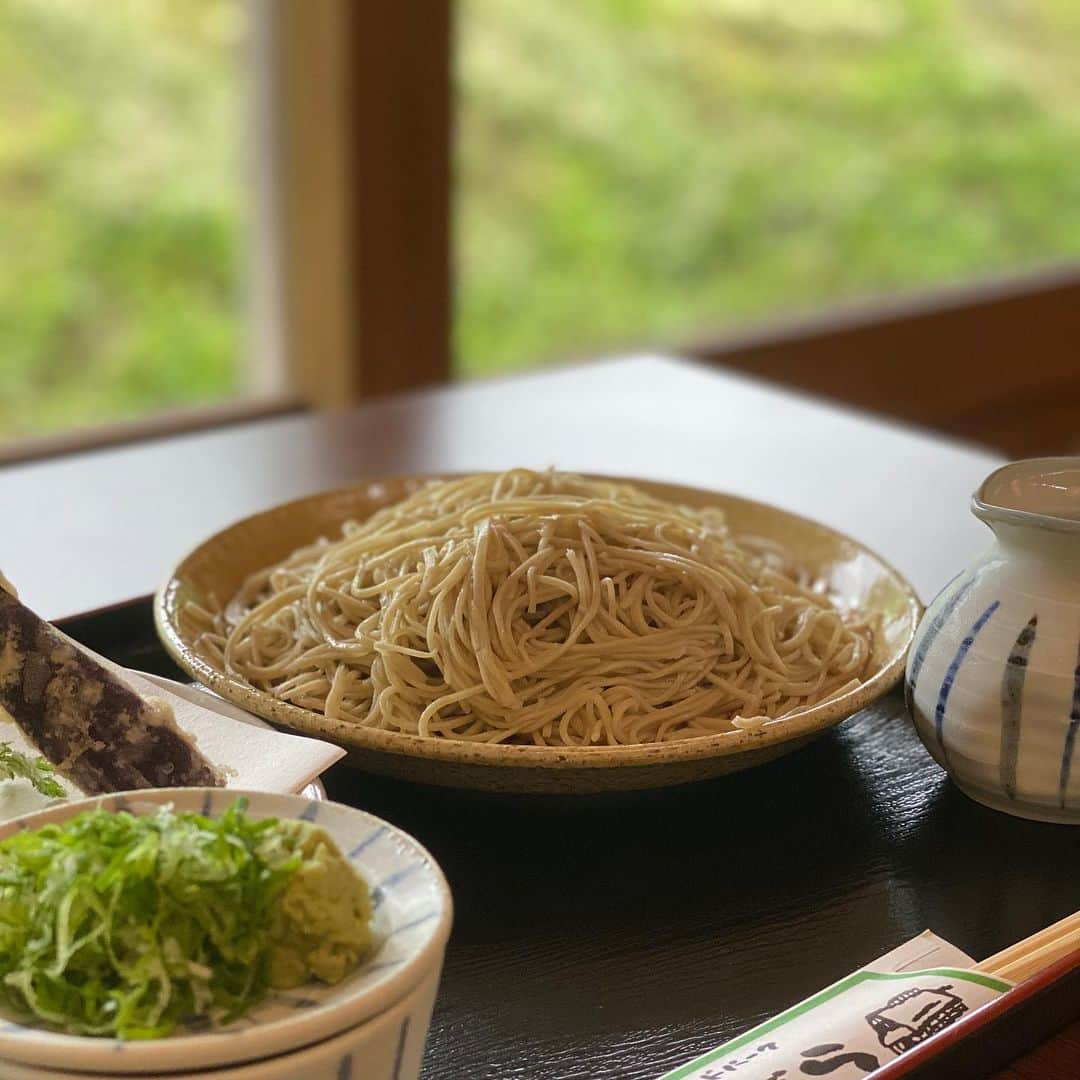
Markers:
point(859, 1023)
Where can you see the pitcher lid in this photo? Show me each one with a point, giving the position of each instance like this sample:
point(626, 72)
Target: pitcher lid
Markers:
point(1040, 492)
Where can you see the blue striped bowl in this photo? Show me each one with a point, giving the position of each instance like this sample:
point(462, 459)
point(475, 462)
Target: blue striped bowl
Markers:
point(993, 675)
point(388, 1047)
point(413, 912)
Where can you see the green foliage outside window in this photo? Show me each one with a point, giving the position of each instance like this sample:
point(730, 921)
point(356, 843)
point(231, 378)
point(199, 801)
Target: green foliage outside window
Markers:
point(651, 170)
point(121, 208)
point(628, 172)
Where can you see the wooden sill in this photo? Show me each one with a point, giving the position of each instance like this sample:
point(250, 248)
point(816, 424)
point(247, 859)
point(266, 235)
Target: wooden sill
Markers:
point(991, 362)
point(158, 426)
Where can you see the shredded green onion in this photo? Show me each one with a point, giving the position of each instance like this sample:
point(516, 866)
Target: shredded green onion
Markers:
point(112, 924)
point(15, 765)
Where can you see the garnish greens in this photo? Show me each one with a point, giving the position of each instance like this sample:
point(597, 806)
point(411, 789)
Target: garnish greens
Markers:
point(40, 773)
point(112, 924)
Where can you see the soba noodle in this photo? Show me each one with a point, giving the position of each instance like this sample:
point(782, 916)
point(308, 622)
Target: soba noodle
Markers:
point(538, 608)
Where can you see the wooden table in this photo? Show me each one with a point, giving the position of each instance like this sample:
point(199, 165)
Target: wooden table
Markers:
point(119, 519)
point(613, 935)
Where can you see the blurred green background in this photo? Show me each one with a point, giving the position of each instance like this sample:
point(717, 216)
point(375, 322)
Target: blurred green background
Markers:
point(121, 208)
point(653, 170)
point(629, 172)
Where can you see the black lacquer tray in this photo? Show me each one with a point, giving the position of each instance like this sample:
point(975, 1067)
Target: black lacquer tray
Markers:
point(619, 935)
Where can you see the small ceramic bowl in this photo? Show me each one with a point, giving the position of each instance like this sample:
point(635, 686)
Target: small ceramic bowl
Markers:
point(413, 913)
point(389, 1046)
point(993, 676)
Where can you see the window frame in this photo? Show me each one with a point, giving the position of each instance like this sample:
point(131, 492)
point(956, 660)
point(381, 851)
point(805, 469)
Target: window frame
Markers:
point(352, 284)
point(992, 361)
point(362, 99)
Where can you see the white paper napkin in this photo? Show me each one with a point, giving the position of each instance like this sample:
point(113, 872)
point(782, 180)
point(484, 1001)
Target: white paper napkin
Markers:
point(252, 754)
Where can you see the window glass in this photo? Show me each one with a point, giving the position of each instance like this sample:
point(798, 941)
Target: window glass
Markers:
point(122, 209)
point(643, 171)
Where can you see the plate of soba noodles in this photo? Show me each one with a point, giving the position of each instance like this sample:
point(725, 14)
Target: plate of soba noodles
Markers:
point(540, 631)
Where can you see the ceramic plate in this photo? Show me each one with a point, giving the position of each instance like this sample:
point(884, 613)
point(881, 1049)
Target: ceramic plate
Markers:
point(857, 577)
point(413, 915)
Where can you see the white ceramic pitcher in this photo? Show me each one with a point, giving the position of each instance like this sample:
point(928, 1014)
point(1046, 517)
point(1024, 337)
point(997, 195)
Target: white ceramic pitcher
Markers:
point(993, 676)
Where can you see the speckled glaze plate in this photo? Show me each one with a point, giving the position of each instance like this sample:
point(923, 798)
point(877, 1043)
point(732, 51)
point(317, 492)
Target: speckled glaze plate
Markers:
point(412, 921)
point(854, 575)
